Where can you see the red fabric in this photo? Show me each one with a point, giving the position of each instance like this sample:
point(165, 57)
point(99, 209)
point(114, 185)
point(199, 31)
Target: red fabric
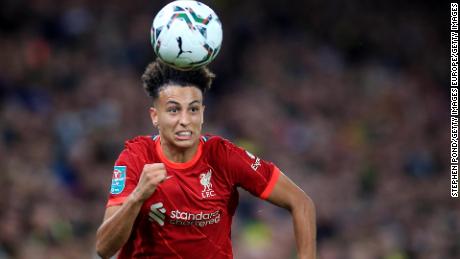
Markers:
point(190, 214)
point(271, 184)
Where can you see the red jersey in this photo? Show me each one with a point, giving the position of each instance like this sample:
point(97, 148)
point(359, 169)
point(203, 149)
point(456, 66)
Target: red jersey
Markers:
point(190, 214)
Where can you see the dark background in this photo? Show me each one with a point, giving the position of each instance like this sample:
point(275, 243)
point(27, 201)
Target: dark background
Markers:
point(349, 98)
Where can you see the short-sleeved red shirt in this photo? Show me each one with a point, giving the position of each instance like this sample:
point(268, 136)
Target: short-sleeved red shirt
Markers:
point(190, 214)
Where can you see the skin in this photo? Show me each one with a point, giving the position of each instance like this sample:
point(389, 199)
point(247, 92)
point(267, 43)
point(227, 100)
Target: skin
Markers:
point(177, 111)
point(288, 195)
point(178, 115)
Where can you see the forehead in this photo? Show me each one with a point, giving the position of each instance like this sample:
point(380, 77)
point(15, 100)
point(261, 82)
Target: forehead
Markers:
point(179, 94)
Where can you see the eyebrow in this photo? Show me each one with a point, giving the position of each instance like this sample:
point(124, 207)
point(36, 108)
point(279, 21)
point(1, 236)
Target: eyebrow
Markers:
point(176, 103)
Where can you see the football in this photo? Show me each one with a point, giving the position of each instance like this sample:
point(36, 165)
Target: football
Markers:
point(186, 34)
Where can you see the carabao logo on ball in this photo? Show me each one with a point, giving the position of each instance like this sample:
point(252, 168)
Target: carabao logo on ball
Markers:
point(186, 34)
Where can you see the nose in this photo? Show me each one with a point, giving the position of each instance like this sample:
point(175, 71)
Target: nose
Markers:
point(184, 119)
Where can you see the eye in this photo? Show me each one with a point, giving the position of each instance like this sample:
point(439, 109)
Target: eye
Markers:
point(172, 110)
point(194, 109)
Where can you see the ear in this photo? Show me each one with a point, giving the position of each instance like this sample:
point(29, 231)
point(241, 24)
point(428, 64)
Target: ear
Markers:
point(154, 116)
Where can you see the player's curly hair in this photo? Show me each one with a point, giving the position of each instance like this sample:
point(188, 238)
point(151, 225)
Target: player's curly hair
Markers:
point(158, 75)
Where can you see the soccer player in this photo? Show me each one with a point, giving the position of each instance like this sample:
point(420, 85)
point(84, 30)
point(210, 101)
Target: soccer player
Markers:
point(173, 195)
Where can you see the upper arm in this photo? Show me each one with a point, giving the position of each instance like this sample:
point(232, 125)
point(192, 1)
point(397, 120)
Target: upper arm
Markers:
point(248, 171)
point(124, 178)
point(286, 193)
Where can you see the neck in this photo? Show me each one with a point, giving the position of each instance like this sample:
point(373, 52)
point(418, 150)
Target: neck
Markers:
point(178, 155)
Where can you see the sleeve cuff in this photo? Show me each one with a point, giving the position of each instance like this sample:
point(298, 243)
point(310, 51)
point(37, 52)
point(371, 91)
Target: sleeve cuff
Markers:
point(115, 201)
point(271, 184)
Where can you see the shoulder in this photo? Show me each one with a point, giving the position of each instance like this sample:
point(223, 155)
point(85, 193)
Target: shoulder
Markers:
point(139, 144)
point(213, 141)
point(136, 152)
point(215, 145)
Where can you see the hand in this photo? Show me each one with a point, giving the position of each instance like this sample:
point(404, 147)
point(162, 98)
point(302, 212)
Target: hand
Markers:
point(152, 175)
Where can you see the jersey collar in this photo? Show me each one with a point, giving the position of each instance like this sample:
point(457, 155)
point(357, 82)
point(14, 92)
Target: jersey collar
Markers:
point(175, 165)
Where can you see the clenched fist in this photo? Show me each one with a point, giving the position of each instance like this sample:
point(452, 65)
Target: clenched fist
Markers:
point(152, 175)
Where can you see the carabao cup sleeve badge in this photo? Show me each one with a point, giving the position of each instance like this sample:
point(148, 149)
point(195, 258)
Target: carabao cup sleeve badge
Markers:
point(118, 179)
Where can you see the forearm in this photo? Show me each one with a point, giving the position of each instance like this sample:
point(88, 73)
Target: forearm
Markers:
point(304, 220)
point(115, 230)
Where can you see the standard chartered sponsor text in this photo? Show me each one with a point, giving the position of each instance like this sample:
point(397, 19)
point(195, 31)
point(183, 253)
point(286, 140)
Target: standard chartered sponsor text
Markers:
point(176, 217)
point(200, 219)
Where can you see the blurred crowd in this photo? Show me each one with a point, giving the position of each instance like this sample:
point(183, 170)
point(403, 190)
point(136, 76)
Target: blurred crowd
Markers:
point(349, 99)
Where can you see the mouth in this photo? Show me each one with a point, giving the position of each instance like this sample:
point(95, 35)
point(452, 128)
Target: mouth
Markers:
point(183, 135)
